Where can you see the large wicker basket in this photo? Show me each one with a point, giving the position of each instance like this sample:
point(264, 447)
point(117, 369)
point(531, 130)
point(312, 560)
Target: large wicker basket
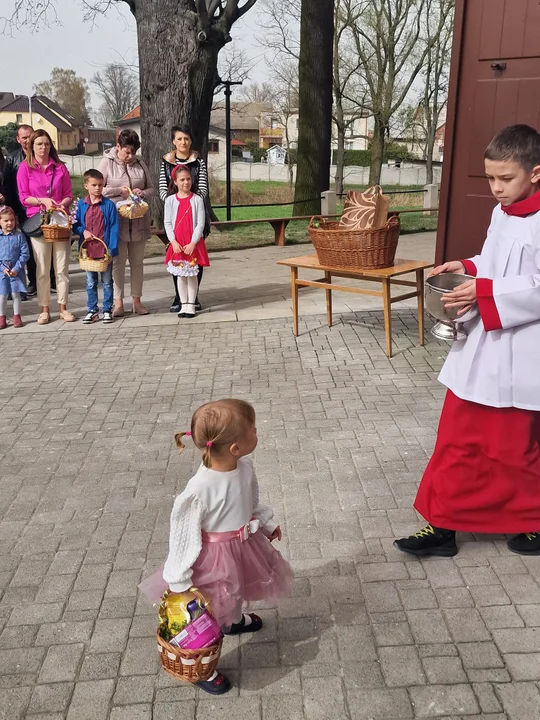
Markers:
point(365, 249)
point(54, 233)
point(91, 264)
point(189, 665)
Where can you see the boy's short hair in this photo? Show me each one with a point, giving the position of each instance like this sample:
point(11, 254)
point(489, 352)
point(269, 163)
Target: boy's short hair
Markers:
point(520, 143)
point(94, 174)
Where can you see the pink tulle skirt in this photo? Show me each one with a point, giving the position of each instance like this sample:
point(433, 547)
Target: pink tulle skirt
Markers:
point(231, 572)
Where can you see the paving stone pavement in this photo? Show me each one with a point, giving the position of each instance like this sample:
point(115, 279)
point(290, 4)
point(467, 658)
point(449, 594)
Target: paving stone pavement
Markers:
point(88, 478)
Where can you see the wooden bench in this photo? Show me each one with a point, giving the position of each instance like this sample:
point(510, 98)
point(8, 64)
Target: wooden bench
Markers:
point(279, 225)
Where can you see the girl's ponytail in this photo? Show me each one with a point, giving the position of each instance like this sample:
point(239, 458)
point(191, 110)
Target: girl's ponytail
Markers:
point(178, 440)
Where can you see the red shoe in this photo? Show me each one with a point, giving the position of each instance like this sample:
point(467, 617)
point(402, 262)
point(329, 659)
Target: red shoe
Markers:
point(17, 322)
point(3, 322)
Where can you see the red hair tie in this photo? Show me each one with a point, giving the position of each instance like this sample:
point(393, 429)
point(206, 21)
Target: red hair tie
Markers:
point(188, 433)
point(209, 443)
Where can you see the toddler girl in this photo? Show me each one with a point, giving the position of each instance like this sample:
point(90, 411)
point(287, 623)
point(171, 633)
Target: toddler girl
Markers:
point(14, 255)
point(220, 534)
point(184, 221)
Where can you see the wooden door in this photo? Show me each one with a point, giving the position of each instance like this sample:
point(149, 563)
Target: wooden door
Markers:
point(494, 82)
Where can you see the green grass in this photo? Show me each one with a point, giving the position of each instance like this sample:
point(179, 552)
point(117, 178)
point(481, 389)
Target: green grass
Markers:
point(261, 234)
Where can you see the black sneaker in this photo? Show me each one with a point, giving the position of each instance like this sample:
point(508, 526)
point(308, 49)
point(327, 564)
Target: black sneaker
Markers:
point(108, 317)
point(198, 306)
point(175, 306)
point(31, 290)
point(241, 627)
point(429, 541)
point(525, 544)
point(24, 297)
point(90, 317)
point(218, 686)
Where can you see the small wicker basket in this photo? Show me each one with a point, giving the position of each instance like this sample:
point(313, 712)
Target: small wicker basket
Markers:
point(134, 210)
point(365, 249)
point(54, 233)
point(91, 264)
point(190, 665)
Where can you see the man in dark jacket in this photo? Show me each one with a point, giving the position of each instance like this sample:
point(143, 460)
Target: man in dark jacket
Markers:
point(13, 160)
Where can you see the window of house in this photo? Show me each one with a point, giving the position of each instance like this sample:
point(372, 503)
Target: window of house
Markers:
point(213, 146)
point(349, 146)
point(274, 123)
point(19, 118)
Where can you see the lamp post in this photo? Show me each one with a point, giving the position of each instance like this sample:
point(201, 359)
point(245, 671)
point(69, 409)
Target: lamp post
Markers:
point(228, 144)
point(30, 109)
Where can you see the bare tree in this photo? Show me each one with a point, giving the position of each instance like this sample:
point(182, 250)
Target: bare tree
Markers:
point(349, 93)
point(118, 89)
point(435, 75)
point(179, 42)
point(284, 101)
point(281, 23)
point(388, 34)
point(234, 65)
point(258, 92)
point(315, 105)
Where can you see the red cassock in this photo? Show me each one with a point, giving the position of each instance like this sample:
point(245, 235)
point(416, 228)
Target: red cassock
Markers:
point(484, 475)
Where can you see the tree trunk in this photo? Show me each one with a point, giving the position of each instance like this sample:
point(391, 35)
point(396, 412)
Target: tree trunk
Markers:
point(430, 144)
point(315, 105)
point(178, 74)
point(340, 158)
point(377, 151)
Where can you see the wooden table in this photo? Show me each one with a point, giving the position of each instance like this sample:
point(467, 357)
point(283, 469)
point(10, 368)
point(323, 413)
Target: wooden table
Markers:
point(386, 276)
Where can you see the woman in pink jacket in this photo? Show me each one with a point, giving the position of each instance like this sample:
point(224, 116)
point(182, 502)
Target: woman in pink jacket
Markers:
point(43, 181)
point(123, 170)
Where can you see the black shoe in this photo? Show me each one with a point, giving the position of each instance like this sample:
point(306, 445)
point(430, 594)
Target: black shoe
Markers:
point(218, 686)
point(31, 290)
point(525, 544)
point(175, 306)
point(429, 541)
point(24, 297)
point(198, 306)
point(181, 314)
point(241, 627)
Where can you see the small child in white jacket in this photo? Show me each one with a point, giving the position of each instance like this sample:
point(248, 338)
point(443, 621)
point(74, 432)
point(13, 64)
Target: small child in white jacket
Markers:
point(184, 220)
point(221, 535)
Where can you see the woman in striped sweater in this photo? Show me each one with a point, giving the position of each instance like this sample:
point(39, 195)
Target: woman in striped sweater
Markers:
point(182, 139)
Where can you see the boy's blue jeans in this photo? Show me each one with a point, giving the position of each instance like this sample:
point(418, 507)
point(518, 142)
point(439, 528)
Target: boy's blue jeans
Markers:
point(92, 280)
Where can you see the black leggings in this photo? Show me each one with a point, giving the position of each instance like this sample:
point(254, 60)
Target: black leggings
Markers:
point(175, 283)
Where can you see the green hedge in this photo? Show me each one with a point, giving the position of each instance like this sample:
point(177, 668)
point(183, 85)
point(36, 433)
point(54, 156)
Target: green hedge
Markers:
point(362, 158)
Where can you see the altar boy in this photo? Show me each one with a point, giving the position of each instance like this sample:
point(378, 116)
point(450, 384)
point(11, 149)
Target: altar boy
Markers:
point(484, 475)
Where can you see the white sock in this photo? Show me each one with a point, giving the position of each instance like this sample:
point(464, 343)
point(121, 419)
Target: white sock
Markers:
point(192, 287)
point(16, 303)
point(3, 304)
point(183, 290)
point(247, 620)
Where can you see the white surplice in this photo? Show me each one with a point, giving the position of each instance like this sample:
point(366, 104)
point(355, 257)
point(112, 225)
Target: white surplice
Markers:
point(501, 367)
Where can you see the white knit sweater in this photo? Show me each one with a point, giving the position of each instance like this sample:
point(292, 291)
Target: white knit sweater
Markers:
point(214, 502)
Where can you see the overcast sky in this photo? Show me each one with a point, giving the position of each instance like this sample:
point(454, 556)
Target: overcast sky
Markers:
point(76, 45)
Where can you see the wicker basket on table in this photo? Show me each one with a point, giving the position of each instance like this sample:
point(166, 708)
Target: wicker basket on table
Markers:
point(339, 247)
point(53, 232)
point(91, 264)
point(190, 665)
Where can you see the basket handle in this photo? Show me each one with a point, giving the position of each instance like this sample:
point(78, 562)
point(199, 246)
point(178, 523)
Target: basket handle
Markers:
point(94, 237)
point(316, 217)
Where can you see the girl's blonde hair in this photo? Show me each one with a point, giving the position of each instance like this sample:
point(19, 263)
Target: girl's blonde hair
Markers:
point(218, 425)
point(7, 210)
